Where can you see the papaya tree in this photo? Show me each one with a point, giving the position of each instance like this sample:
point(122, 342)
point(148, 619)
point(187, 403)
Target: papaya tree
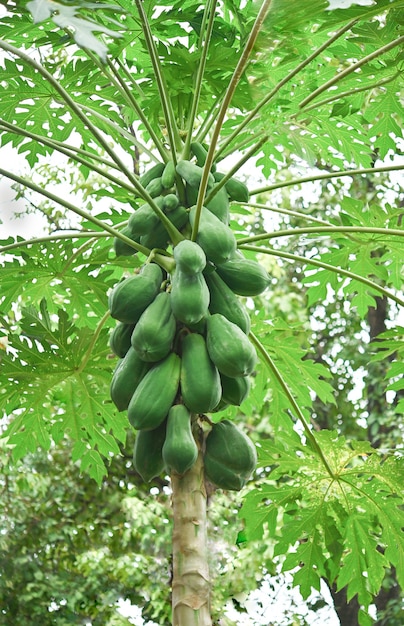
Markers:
point(152, 314)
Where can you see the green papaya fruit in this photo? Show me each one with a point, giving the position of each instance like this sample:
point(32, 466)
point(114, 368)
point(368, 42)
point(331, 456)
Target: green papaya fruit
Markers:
point(199, 153)
point(125, 379)
point(179, 450)
point(119, 340)
point(230, 456)
point(124, 249)
point(148, 452)
point(168, 175)
point(235, 390)
point(244, 276)
point(200, 381)
point(154, 333)
point(221, 406)
point(199, 327)
point(215, 238)
point(189, 257)
point(144, 220)
point(171, 202)
point(189, 296)
point(236, 189)
point(155, 187)
point(192, 174)
point(224, 301)
point(131, 296)
point(191, 195)
point(229, 348)
point(219, 205)
point(158, 237)
point(178, 217)
point(155, 171)
point(155, 394)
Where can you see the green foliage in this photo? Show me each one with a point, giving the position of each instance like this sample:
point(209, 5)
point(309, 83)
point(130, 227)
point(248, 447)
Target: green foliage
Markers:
point(114, 88)
point(63, 538)
point(56, 376)
point(330, 520)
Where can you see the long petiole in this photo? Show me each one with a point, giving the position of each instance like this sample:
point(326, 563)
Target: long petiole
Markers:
point(71, 207)
point(72, 105)
point(275, 371)
point(172, 231)
point(240, 67)
point(350, 69)
point(327, 266)
point(349, 92)
point(119, 130)
point(236, 167)
point(174, 139)
point(309, 218)
point(317, 230)
point(70, 151)
point(132, 102)
point(283, 82)
point(92, 234)
point(210, 10)
point(326, 176)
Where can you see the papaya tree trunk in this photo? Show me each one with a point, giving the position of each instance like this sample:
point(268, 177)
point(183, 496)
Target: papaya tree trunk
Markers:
point(191, 580)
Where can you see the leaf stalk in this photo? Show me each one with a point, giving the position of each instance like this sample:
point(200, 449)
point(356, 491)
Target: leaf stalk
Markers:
point(275, 371)
point(327, 266)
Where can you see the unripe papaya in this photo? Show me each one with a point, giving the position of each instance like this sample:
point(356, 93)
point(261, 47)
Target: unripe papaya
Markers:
point(229, 348)
point(199, 152)
point(130, 297)
point(179, 450)
point(191, 195)
point(189, 296)
point(158, 237)
point(171, 202)
point(168, 175)
point(119, 340)
point(225, 302)
point(125, 379)
point(235, 390)
point(144, 220)
point(178, 217)
point(154, 333)
point(153, 172)
point(230, 456)
point(215, 238)
point(200, 381)
point(192, 174)
point(219, 205)
point(189, 257)
point(147, 452)
point(244, 276)
point(236, 189)
point(121, 247)
point(155, 188)
point(199, 327)
point(155, 394)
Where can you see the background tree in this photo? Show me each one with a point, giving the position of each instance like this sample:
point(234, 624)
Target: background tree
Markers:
point(311, 84)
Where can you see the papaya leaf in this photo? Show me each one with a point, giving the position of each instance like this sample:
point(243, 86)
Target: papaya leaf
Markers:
point(51, 388)
point(356, 510)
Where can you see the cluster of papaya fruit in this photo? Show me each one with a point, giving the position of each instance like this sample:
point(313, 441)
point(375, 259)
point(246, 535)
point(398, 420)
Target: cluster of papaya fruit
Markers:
point(182, 337)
